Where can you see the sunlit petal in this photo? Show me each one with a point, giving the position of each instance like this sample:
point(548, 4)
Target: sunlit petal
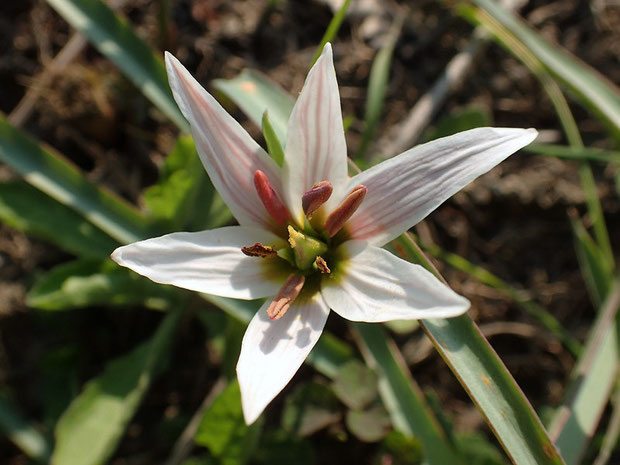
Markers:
point(208, 261)
point(229, 154)
point(374, 285)
point(315, 148)
point(272, 351)
point(405, 189)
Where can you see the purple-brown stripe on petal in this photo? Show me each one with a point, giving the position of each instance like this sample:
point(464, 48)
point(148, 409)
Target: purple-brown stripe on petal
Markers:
point(336, 219)
point(285, 297)
point(268, 196)
point(312, 200)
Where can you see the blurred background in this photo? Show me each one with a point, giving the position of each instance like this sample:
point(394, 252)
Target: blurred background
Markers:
point(66, 313)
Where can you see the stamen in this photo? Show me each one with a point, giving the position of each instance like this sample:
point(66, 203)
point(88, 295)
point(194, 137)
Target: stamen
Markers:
point(259, 250)
point(336, 219)
point(268, 196)
point(285, 297)
point(321, 265)
point(315, 197)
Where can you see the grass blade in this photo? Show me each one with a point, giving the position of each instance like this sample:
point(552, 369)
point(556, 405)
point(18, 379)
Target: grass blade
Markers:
point(50, 173)
point(574, 153)
point(332, 29)
point(21, 433)
point(592, 383)
point(402, 396)
point(91, 428)
point(115, 39)
point(271, 139)
point(594, 91)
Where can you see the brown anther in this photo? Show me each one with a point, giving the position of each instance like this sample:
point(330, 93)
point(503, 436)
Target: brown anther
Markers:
point(285, 297)
point(321, 265)
point(315, 197)
point(259, 250)
point(336, 219)
point(274, 206)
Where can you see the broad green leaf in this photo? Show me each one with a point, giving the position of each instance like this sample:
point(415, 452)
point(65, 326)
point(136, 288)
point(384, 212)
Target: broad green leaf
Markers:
point(254, 93)
point(184, 198)
point(592, 89)
point(355, 385)
point(91, 428)
point(311, 407)
point(50, 173)
point(91, 282)
point(468, 354)
point(377, 86)
point(25, 208)
point(369, 425)
point(397, 448)
point(223, 430)
point(115, 39)
point(21, 433)
point(332, 29)
point(273, 144)
point(592, 383)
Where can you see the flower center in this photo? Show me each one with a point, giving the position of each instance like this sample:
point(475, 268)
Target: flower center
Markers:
point(308, 250)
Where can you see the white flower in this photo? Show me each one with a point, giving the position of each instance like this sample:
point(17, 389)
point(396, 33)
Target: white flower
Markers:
point(308, 234)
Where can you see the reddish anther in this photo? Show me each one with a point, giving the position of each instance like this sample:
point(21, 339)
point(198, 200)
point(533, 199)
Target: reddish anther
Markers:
point(285, 297)
point(268, 196)
point(315, 197)
point(336, 219)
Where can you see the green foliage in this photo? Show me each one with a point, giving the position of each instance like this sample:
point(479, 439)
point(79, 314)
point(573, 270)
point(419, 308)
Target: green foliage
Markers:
point(90, 429)
point(355, 385)
point(273, 144)
point(310, 408)
point(184, 198)
point(279, 448)
point(369, 425)
point(467, 118)
point(223, 430)
point(332, 29)
point(398, 449)
point(28, 209)
point(477, 449)
point(91, 282)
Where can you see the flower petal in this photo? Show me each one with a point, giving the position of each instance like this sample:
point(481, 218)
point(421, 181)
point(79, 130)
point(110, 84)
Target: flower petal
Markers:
point(315, 148)
point(208, 261)
point(228, 153)
point(272, 351)
point(374, 285)
point(405, 189)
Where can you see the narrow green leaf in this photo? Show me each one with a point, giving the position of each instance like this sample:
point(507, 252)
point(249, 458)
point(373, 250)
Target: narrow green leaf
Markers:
point(91, 282)
point(50, 173)
point(489, 279)
point(115, 39)
point(592, 383)
point(594, 268)
point(462, 120)
point(574, 153)
point(223, 430)
point(21, 433)
point(377, 86)
point(273, 144)
point(473, 361)
point(593, 90)
point(402, 396)
point(91, 428)
point(254, 93)
point(25, 208)
point(332, 29)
